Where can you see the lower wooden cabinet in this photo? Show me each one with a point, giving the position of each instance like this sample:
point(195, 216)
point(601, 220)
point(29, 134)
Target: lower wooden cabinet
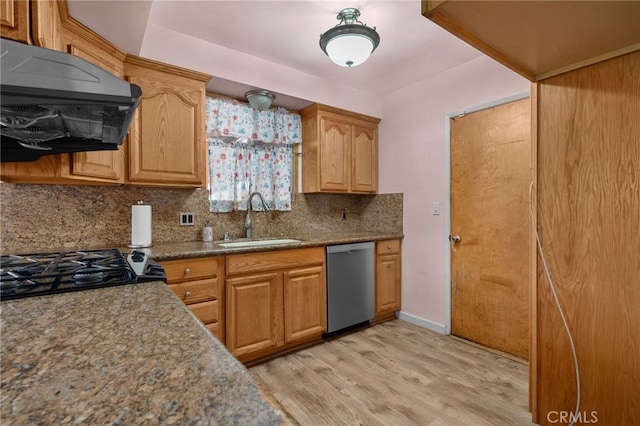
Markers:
point(199, 283)
point(260, 304)
point(274, 301)
point(388, 279)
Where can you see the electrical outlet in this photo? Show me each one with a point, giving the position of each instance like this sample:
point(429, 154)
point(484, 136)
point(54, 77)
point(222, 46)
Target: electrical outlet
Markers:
point(435, 208)
point(344, 215)
point(187, 219)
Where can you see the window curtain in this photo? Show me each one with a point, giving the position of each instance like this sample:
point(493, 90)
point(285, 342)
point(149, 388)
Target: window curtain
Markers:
point(249, 151)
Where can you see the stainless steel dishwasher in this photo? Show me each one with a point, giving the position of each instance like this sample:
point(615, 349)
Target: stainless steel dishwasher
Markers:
point(350, 286)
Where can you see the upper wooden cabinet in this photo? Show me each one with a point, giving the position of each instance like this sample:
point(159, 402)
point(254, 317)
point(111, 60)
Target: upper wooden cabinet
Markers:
point(166, 143)
point(165, 146)
point(339, 151)
point(31, 21)
point(102, 166)
point(539, 39)
point(54, 29)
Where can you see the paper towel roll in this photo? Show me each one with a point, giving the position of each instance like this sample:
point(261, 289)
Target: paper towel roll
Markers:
point(140, 226)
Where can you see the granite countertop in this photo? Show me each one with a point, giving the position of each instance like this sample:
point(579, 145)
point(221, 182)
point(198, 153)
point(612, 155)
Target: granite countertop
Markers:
point(170, 251)
point(130, 354)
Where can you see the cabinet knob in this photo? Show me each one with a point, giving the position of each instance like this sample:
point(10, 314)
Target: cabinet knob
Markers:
point(187, 271)
point(187, 294)
point(388, 247)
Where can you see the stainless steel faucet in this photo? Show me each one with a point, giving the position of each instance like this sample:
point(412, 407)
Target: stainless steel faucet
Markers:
point(247, 221)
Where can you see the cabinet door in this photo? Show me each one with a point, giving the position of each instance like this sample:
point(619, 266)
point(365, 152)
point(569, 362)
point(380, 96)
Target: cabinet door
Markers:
point(96, 165)
point(254, 313)
point(45, 19)
point(335, 155)
point(166, 134)
point(305, 303)
point(364, 172)
point(14, 20)
point(387, 283)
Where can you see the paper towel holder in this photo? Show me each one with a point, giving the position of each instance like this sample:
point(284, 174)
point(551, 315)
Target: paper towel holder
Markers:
point(142, 238)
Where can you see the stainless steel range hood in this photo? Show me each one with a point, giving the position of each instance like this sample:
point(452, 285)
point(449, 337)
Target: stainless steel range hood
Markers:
point(52, 102)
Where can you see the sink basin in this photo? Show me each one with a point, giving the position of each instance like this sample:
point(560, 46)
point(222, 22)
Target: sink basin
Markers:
point(259, 243)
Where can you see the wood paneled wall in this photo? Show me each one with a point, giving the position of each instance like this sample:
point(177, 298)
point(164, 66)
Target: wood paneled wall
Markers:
point(589, 223)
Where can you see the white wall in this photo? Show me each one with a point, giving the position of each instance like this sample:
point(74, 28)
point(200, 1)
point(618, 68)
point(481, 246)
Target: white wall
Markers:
point(414, 160)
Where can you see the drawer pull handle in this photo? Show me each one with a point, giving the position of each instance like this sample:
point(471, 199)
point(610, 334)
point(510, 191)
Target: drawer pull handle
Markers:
point(187, 271)
point(388, 247)
point(187, 294)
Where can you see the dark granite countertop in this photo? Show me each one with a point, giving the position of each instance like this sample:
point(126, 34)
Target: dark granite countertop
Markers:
point(131, 354)
point(184, 250)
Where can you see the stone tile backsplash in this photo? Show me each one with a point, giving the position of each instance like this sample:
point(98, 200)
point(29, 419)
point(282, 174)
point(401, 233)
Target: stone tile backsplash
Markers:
point(52, 217)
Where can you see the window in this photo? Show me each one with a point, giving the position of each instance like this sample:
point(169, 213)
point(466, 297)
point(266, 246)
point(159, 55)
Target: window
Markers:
point(248, 151)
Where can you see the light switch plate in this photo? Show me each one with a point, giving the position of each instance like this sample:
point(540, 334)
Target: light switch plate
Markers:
point(435, 208)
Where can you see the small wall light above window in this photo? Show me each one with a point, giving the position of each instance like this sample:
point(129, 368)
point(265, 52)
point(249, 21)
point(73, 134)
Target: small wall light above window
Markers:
point(350, 42)
point(260, 99)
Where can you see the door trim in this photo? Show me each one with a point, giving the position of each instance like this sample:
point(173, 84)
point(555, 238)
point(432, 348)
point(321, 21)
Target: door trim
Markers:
point(447, 217)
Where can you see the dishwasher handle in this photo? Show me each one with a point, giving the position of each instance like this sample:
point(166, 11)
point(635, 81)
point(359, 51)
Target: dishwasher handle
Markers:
point(342, 248)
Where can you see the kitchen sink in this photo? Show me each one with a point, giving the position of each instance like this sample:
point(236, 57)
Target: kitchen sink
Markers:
point(257, 243)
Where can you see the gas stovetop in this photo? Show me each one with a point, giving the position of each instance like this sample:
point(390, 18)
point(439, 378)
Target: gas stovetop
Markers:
point(38, 274)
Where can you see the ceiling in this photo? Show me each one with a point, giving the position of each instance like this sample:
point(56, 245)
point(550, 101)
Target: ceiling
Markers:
point(412, 48)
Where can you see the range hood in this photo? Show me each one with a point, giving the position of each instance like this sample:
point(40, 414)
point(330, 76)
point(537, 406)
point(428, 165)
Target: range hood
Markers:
point(53, 102)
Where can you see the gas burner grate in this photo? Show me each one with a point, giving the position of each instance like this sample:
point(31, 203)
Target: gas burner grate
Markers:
point(48, 273)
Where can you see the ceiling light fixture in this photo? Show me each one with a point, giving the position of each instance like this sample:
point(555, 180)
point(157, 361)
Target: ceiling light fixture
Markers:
point(350, 42)
point(260, 99)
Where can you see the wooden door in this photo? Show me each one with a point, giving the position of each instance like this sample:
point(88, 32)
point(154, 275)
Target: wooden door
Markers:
point(364, 155)
point(588, 217)
point(254, 312)
point(335, 156)
point(305, 303)
point(490, 177)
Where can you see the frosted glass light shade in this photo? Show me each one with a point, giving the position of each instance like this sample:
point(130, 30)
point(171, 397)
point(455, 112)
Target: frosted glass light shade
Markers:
point(349, 50)
point(350, 42)
point(259, 99)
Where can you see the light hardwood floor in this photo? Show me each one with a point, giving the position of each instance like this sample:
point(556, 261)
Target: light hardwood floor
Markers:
point(396, 373)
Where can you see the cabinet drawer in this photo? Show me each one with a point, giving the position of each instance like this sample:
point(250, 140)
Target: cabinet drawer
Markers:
point(388, 247)
point(196, 291)
point(207, 312)
point(274, 260)
point(214, 327)
point(190, 269)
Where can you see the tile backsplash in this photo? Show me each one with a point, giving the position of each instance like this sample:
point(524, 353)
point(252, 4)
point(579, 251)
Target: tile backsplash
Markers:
point(52, 217)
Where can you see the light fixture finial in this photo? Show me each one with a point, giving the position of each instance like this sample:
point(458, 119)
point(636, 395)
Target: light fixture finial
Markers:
point(350, 42)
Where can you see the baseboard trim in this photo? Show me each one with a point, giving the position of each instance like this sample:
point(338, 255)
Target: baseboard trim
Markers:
point(421, 322)
point(488, 349)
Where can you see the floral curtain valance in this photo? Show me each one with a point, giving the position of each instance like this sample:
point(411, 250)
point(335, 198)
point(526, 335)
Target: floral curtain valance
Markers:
point(229, 120)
